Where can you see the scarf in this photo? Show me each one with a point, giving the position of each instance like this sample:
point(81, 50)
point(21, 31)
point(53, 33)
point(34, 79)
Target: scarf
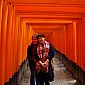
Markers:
point(43, 49)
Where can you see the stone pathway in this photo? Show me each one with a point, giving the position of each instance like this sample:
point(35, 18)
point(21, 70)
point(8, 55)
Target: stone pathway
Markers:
point(62, 76)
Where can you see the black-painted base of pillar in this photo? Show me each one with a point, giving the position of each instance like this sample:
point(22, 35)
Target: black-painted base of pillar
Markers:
point(15, 78)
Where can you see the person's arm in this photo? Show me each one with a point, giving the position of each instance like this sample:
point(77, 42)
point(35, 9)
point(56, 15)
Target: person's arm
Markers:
point(51, 52)
point(29, 52)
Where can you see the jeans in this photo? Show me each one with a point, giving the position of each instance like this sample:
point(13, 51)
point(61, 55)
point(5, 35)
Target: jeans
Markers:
point(43, 78)
point(32, 70)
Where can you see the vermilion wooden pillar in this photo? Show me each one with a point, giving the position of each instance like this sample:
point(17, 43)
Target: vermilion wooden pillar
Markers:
point(83, 46)
point(23, 41)
point(75, 48)
point(1, 5)
point(9, 59)
point(19, 43)
point(16, 42)
point(64, 40)
point(3, 42)
point(57, 41)
point(12, 39)
point(78, 40)
point(82, 43)
point(21, 52)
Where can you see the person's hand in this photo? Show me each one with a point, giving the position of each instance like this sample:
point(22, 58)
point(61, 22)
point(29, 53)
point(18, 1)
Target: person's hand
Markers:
point(43, 64)
point(40, 62)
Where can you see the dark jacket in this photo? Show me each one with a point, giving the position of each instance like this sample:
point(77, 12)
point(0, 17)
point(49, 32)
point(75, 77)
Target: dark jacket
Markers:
point(50, 69)
point(51, 52)
point(31, 55)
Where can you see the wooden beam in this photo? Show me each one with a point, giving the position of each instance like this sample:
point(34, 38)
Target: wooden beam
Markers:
point(50, 22)
point(57, 16)
point(50, 9)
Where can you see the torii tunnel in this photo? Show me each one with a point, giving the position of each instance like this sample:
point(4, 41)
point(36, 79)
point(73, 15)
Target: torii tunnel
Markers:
point(62, 22)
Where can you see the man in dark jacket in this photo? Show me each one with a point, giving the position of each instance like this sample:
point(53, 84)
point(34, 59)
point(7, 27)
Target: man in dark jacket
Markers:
point(32, 58)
